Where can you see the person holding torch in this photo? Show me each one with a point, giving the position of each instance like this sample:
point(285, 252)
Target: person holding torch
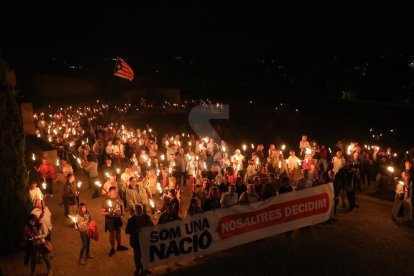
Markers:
point(69, 197)
point(83, 220)
point(113, 209)
point(48, 173)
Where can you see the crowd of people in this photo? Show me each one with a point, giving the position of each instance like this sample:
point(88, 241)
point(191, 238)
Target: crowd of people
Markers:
point(136, 172)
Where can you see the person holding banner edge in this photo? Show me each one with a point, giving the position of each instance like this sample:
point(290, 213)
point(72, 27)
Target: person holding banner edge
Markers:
point(133, 228)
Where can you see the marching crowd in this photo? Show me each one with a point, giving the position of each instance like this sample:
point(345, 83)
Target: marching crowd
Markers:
point(133, 171)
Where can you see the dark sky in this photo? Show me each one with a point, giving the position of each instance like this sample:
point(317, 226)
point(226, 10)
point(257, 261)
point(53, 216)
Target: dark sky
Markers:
point(204, 27)
point(303, 45)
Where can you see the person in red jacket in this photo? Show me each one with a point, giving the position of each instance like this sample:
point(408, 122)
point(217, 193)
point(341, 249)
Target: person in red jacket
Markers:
point(48, 173)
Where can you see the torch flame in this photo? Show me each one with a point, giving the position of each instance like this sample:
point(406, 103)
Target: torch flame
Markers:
point(73, 219)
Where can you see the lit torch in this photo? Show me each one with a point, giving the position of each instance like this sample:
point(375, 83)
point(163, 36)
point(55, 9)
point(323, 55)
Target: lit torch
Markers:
point(98, 183)
point(73, 219)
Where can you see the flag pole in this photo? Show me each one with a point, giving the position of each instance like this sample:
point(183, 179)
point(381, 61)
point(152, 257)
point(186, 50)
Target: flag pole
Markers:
point(113, 76)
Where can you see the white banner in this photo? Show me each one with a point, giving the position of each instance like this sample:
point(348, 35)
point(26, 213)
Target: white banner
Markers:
point(224, 228)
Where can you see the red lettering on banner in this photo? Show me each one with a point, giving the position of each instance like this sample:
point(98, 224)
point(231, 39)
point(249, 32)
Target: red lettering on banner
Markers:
point(233, 225)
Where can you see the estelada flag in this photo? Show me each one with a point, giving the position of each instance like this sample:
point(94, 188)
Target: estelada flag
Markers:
point(123, 70)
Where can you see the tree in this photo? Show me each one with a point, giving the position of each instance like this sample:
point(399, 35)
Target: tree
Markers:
point(14, 201)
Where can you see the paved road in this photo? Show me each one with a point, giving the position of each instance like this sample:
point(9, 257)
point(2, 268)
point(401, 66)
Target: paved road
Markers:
point(365, 243)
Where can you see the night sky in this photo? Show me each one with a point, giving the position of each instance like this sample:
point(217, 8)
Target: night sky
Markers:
point(300, 36)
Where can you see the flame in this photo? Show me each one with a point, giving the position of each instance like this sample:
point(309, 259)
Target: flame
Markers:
point(79, 184)
point(73, 219)
point(152, 203)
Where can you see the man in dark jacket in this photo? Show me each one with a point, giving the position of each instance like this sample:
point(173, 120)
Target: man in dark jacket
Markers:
point(134, 226)
point(70, 193)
